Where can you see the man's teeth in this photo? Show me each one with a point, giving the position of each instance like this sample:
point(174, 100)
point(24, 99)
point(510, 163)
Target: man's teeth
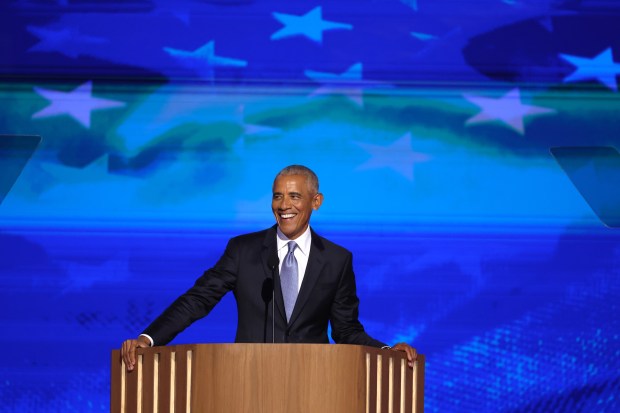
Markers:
point(285, 216)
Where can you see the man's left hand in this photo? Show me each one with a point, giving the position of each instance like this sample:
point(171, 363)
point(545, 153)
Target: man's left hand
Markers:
point(411, 353)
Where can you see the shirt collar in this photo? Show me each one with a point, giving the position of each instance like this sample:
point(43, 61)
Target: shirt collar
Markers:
point(303, 241)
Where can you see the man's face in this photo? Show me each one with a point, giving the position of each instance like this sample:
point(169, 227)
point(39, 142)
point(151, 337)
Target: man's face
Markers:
point(292, 204)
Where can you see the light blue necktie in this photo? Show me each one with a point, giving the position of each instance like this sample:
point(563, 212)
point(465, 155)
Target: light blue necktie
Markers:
point(289, 280)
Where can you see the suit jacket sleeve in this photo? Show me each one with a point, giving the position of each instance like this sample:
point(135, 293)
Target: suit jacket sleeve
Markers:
point(346, 327)
point(199, 300)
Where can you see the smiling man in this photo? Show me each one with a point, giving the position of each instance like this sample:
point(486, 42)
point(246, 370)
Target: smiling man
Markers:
point(310, 278)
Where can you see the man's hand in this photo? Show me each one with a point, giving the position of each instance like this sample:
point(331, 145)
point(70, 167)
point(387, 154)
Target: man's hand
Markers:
point(128, 350)
point(411, 353)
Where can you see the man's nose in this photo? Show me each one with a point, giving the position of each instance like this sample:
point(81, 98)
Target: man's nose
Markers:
point(285, 203)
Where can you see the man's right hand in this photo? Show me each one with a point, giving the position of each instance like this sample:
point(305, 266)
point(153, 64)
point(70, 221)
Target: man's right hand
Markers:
point(128, 350)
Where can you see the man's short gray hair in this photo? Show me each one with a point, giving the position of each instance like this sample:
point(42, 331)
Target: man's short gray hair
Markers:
point(311, 179)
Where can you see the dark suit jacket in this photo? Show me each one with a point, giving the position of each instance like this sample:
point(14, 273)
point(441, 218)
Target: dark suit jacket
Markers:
point(327, 294)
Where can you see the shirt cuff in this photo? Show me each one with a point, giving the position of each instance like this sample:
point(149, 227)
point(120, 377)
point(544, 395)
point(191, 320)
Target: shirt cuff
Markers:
point(382, 348)
point(149, 338)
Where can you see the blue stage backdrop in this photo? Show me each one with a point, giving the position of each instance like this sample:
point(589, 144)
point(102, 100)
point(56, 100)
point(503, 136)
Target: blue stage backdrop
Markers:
point(467, 152)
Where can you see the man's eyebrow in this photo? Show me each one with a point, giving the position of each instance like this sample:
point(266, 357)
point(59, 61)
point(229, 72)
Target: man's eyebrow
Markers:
point(295, 193)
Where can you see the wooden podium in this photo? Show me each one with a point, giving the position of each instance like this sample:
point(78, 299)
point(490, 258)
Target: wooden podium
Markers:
point(274, 378)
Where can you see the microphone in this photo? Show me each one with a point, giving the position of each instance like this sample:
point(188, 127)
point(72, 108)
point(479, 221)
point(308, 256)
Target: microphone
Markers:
point(273, 263)
point(267, 290)
point(268, 293)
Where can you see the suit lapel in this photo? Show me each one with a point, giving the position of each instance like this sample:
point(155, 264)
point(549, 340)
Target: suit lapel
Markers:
point(313, 270)
point(270, 249)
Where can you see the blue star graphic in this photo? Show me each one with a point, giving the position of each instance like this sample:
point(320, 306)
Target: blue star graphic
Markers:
point(423, 36)
point(508, 109)
point(84, 277)
point(348, 83)
point(66, 41)
point(78, 103)
point(204, 59)
point(310, 25)
point(398, 156)
point(411, 3)
point(180, 9)
point(601, 67)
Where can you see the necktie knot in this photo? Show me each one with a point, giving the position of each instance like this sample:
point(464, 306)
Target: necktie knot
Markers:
point(291, 247)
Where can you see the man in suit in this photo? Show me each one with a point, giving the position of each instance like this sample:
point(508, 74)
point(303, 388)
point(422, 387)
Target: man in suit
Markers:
point(310, 278)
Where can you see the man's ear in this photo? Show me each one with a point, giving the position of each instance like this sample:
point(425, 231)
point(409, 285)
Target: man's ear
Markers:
point(317, 201)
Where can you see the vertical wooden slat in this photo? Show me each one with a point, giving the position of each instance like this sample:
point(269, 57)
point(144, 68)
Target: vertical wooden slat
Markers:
point(372, 390)
point(420, 365)
point(385, 382)
point(156, 382)
point(391, 386)
point(139, 391)
point(115, 385)
point(181, 381)
point(402, 393)
point(397, 390)
point(148, 389)
point(163, 391)
point(367, 382)
point(414, 387)
point(408, 389)
point(173, 380)
point(188, 383)
point(379, 382)
point(131, 390)
point(123, 387)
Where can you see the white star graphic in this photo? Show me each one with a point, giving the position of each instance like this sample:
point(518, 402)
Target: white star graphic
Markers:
point(507, 109)
point(310, 25)
point(601, 67)
point(398, 156)
point(78, 103)
point(349, 83)
point(204, 59)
